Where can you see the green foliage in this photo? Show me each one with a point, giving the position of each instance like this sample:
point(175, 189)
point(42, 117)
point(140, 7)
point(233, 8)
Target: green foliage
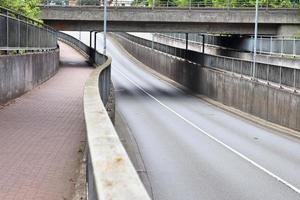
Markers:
point(141, 2)
point(220, 3)
point(297, 35)
point(57, 2)
point(28, 8)
point(87, 2)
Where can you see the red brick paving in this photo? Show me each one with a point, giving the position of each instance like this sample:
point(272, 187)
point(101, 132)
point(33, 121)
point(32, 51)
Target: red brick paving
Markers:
point(40, 135)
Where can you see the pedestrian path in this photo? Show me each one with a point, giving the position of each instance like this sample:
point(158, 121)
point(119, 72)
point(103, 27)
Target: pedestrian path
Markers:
point(41, 133)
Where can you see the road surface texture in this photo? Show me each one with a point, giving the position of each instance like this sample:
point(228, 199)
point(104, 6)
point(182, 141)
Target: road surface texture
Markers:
point(191, 150)
point(42, 133)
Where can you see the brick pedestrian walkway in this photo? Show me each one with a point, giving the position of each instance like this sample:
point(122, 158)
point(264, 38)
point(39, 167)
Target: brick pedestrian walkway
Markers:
point(41, 133)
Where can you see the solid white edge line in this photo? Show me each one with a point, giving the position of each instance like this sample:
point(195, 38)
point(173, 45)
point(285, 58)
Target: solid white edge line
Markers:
point(295, 189)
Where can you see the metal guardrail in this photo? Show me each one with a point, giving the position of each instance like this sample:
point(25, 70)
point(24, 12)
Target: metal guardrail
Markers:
point(22, 33)
point(226, 4)
point(77, 44)
point(270, 45)
point(281, 75)
point(110, 173)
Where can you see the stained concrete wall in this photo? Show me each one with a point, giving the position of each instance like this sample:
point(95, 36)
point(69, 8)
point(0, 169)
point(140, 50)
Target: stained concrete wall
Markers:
point(280, 75)
point(21, 73)
point(146, 19)
point(273, 104)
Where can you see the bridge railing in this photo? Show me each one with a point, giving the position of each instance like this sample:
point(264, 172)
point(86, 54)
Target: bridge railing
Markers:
point(270, 45)
point(18, 32)
point(227, 4)
point(110, 173)
point(283, 76)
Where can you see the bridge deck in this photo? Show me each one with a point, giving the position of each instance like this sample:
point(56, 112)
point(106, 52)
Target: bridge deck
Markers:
point(41, 134)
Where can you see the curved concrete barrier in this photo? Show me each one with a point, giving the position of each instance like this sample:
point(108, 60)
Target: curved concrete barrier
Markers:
point(110, 173)
point(113, 173)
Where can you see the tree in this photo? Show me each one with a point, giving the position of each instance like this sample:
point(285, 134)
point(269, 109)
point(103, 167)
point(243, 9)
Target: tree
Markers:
point(28, 8)
point(57, 2)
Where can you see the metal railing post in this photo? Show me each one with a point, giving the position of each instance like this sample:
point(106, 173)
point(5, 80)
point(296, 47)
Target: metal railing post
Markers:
point(27, 38)
point(91, 35)
point(282, 45)
point(104, 26)
point(186, 41)
point(271, 45)
point(152, 43)
point(280, 79)
point(260, 45)
point(294, 47)
point(295, 89)
point(7, 31)
point(47, 37)
point(231, 65)
point(255, 38)
point(19, 32)
point(39, 40)
point(203, 43)
point(268, 69)
point(241, 69)
point(95, 40)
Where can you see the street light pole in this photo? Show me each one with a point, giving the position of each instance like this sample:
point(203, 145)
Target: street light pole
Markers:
point(255, 38)
point(104, 26)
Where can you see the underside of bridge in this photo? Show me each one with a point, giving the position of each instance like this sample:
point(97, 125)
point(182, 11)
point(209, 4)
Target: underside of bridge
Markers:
point(236, 21)
point(171, 27)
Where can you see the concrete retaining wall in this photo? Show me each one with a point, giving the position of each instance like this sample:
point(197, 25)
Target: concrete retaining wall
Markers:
point(275, 105)
point(108, 161)
point(21, 73)
point(277, 75)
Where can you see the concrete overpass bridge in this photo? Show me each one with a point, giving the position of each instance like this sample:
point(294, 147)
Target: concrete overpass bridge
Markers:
point(146, 19)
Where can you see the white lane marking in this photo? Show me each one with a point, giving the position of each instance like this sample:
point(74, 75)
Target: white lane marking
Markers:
point(212, 137)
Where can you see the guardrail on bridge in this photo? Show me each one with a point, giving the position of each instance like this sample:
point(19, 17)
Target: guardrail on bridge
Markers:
point(269, 45)
point(190, 4)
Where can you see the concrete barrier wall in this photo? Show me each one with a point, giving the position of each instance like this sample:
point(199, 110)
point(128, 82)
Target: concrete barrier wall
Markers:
point(267, 102)
point(21, 73)
point(110, 173)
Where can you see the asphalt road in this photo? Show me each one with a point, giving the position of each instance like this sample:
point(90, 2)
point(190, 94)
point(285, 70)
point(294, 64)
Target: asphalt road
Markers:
point(193, 150)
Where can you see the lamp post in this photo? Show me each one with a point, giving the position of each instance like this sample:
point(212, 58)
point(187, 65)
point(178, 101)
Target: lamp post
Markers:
point(104, 26)
point(255, 38)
